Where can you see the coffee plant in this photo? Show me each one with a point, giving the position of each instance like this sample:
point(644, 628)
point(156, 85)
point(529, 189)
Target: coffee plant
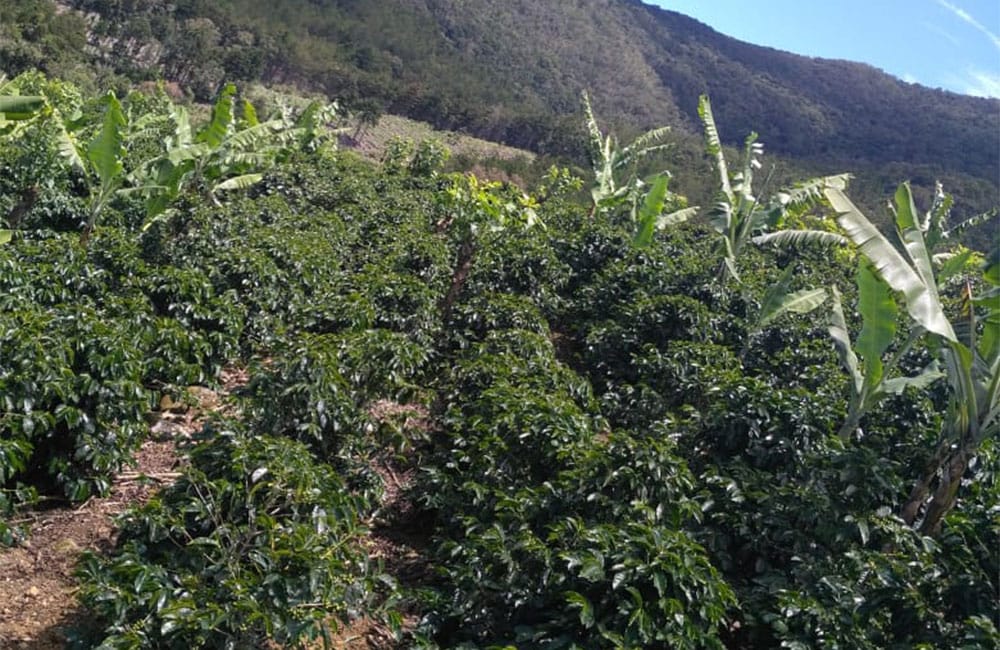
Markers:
point(256, 541)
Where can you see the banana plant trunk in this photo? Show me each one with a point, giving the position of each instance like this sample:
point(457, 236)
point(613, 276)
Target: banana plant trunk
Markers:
point(946, 495)
point(947, 465)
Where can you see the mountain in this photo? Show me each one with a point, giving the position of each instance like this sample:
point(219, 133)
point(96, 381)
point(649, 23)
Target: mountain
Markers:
point(512, 72)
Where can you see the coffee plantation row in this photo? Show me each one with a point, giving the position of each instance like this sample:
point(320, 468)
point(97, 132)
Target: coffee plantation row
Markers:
point(757, 425)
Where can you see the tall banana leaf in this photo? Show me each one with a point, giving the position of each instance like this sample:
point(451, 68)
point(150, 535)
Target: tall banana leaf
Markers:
point(104, 156)
point(799, 238)
point(808, 193)
point(842, 341)
point(650, 211)
point(899, 272)
point(910, 233)
point(989, 345)
point(681, 215)
point(106, 150)
point(19, 107)
point(778, 300)
point(222, 122)
point(870, 379)
point(249, 117)
point(714, 146)
point(878, 317)
point(69, 147)
point(651, 216)
point(182, 135)
point(935, 219)
point(241, 182)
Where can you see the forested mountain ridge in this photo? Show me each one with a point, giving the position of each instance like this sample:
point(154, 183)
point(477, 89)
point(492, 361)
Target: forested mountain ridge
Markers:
point(513, 71)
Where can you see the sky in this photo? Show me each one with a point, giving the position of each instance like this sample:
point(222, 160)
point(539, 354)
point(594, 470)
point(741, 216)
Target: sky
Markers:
point(949, 44)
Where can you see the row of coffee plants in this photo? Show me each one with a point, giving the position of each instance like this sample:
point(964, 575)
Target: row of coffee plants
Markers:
point(267, 541)
point(637, 425)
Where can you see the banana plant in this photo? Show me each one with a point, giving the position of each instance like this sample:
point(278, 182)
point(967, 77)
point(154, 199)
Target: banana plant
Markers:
point(616, 182)
point(100, 161)
point(213, 156)
point(870, 378)
point(740, 214)
point(970, 362)
point(231, 152)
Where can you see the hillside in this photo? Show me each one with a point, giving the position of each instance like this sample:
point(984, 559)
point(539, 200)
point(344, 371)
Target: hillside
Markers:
point(512, 71)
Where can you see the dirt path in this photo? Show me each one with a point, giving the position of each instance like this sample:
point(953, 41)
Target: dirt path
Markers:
point(37, 587)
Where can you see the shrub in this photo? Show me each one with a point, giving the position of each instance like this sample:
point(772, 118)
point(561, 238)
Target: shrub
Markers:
point(255, 541)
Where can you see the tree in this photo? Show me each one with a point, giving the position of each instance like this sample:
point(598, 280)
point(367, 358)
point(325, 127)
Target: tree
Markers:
point(367, 112)
point(471, 207)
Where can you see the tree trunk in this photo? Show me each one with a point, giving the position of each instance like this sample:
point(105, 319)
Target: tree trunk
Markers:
point(23, 207)
point(852, 422)
point(462, 268)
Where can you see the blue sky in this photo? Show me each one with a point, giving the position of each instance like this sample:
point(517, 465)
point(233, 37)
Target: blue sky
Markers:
point(950, 44)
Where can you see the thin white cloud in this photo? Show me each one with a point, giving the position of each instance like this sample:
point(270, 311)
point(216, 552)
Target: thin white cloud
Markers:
point(964, 15)
point(909, 78)
point(982, 84)
point(951, 38)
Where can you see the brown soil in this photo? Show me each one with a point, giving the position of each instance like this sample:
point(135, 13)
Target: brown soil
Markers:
point(398, 537)
point(37, 588)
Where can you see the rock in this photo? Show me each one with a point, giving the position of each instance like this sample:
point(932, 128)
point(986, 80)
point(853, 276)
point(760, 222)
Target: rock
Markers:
point(206, 398)
point(67, 547)
point(168, 404)
point(168, 429)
